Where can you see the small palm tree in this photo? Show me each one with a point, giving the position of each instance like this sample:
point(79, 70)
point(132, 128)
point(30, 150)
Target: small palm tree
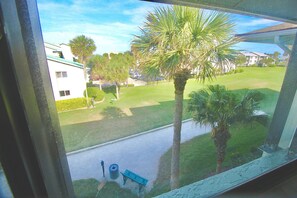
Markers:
point(177, 42)
point(219, 108)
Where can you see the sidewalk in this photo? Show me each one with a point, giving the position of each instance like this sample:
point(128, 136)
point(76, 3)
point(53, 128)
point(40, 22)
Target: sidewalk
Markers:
point(140, 154)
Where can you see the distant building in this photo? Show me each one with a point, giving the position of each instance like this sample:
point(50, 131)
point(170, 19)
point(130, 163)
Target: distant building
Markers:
point(253, 58)
point(67, 76)
point(283, 35)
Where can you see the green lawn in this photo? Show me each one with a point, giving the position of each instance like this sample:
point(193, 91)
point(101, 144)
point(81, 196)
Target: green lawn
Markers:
point(86, 188)
point(148, 107)
point(198, 156)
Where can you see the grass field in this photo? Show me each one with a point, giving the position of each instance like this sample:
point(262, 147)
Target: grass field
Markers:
point(148, 107)
point(86, 188)
point(198, 156)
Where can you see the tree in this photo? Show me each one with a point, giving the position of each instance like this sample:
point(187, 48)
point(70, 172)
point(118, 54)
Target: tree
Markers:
point(240, 60)
point(113, 68)
point(177, 42)
point(275, 57)
point(266, 61)
point(96, 63)
point(83, 47)
point(220, 108)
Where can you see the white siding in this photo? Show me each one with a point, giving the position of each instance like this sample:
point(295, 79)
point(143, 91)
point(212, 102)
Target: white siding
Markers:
point(74, 82)
point(67, 52)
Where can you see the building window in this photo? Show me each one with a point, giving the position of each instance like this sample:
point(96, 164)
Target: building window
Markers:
point(64, 93)
point(61, 74)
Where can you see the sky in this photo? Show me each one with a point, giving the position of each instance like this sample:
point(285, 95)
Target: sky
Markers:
point(113, 23)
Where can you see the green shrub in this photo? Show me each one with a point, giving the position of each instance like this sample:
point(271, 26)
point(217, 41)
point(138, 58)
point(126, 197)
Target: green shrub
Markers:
point(95, 92)
point(240, 70)
point(109, 89)
point(235, 71)
point(71, 104)
point(90, 84)
point(128, 85)
point(272, 65)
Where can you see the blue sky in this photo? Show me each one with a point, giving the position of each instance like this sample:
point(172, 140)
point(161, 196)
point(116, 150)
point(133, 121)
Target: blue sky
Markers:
point(112, 23)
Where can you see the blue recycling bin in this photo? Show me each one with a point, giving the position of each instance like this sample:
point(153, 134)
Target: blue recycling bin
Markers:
point(114, 171)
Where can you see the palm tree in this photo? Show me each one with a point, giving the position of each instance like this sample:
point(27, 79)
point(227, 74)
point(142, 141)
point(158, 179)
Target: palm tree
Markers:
point(177, 42)
point(219, 108)
point(83, 47)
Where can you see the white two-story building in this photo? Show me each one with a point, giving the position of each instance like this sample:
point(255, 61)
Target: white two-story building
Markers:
point(67, 76)
point(253, 58)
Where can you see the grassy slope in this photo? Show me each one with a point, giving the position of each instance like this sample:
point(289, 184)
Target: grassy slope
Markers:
point(148, 107)
point(198, 156)
point(88, 188)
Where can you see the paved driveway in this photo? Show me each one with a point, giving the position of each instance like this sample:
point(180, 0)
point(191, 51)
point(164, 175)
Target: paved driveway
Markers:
point(140, 154)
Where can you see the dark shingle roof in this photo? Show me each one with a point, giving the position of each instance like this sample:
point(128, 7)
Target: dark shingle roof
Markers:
point(279, 27)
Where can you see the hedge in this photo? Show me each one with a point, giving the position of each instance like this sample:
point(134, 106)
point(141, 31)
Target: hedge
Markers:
point(235, 71)
point(71, 104)
point(95, 92)
point(128, 85)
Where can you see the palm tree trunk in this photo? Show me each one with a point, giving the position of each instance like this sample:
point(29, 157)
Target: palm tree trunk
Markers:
point(220, 139)
point(219, 166)
point(85, 77)
point(176, 141)
point(180, 80)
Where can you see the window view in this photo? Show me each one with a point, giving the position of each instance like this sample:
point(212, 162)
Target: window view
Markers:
point(4, 190)
point(160, 96)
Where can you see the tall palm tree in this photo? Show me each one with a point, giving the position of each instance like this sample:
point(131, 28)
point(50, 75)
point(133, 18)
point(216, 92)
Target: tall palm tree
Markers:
point(177, 42)
point(219, 108)
point(83, 47)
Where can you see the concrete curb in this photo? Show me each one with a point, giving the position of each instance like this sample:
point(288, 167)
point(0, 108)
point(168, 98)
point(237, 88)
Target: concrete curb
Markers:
point(124, 138)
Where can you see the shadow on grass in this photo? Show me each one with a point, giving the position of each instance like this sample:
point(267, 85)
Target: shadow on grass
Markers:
point(110, 89)
point(112, 113)
point(268, 103)
point(116, 124)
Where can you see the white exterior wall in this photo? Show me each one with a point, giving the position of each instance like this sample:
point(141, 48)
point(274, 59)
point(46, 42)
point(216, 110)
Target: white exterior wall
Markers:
point(50, 48)
point(67, 52)
point(74, 82)
point(253, 58)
